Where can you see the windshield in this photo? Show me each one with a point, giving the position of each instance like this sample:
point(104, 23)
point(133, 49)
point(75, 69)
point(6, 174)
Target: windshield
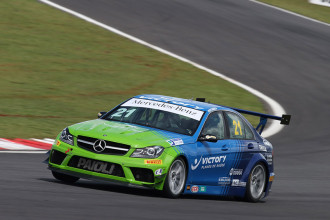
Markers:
point(182, 120)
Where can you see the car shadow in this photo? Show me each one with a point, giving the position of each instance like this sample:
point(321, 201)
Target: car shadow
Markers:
point(145, 192)
point(109, 187)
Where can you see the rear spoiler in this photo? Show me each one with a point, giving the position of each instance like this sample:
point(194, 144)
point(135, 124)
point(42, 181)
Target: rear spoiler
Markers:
point(284, 120)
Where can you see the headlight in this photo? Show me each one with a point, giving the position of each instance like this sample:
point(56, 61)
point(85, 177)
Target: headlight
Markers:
point(66, 137)
point(148, 152)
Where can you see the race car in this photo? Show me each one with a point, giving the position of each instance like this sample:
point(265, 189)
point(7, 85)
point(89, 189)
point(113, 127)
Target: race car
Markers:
point(171, 144)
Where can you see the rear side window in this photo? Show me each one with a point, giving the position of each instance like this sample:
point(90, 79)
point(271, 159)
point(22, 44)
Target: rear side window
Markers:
point(238, 129)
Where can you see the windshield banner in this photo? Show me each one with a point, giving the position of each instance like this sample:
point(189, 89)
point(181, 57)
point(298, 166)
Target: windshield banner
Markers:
point(177, 109)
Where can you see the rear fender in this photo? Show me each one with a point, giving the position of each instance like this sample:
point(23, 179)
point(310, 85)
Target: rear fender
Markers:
point(257, 158)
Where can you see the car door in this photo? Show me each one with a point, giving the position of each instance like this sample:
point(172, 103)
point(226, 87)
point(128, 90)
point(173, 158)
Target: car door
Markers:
point(242, 143)
point(212, 156)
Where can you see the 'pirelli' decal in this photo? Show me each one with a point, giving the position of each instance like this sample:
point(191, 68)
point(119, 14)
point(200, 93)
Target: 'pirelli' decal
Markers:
point(159, 162)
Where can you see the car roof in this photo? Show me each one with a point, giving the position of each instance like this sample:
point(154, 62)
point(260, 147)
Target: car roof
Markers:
point(204, 106)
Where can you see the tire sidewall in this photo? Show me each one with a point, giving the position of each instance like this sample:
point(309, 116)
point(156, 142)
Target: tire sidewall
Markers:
point(249, 195)
point(166, 189)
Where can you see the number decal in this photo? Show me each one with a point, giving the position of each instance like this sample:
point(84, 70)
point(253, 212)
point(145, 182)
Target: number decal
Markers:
point(237, 124)
point(240, 128)
point(119, 112)
point(129, 112)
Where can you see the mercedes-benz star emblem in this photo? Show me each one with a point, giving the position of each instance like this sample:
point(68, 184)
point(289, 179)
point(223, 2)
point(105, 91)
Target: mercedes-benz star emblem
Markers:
point(99, 145)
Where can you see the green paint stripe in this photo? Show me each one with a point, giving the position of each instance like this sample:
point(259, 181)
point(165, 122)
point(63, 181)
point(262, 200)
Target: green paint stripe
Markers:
point(176, 150)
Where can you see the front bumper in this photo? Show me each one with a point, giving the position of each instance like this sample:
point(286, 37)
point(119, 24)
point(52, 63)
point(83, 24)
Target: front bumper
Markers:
point(124, 170)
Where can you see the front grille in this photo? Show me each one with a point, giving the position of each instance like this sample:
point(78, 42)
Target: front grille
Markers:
point(113, 148)
point(57, 157)
point(143, 174)
point(96, 166)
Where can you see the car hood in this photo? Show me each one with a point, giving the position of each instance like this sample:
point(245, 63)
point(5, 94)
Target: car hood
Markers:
point(135, 135)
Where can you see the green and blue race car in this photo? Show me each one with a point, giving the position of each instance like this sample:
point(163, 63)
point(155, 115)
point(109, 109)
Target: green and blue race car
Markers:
point(176, 145)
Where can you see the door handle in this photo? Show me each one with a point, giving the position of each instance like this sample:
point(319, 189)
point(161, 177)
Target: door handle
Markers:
point(250, 146)
point(224, 147)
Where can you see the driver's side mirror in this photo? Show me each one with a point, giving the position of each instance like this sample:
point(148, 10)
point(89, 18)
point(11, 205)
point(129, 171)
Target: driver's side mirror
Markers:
point(100, 114)
point(209, 138)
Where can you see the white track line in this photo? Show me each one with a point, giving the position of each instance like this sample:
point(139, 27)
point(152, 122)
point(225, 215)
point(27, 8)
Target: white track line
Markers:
point(24, 151)
point(46, 140)
point(276, 108)
point(50, 140)
point(14, 146)
point(290, 12)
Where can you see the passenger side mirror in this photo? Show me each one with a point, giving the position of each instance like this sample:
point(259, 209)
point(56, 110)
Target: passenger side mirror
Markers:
point(209, 138)
point(100, 114)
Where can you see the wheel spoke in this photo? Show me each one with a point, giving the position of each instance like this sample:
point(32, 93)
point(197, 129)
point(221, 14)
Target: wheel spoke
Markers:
point(179, 170)
point(172, 187)
point(176, 177)
point(258, 173)
point(257, 181)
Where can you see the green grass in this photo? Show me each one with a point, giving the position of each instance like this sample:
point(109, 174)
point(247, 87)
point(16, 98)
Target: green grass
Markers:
point(57, 70)
point(303, 7)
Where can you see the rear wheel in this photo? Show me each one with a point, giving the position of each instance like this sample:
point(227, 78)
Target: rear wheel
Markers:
point(175, 179)
point(65, 178)
point(256, 183)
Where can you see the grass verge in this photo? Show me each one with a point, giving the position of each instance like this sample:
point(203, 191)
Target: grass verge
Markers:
point(303, 7)
point(57, 70)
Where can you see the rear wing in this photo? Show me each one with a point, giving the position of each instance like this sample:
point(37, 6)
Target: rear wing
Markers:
point(284, 120)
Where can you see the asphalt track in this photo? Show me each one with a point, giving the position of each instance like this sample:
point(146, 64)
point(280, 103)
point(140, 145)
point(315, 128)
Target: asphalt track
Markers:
point(282, 55)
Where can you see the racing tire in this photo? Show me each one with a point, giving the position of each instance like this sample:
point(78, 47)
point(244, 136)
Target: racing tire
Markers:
point(176, 179)
point(65, 178)
point(256, 184)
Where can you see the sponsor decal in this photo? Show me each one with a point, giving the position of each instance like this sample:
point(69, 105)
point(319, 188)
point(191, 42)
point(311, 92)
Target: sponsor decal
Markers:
point(68, 150)
point(224, 181)
point(269, 159)
point(177, 109)
point(188, 187)
point(262, 148)
point(212, 109)
point(194, 189)
point(159, 162)
point(267, 143)
point(202, 188)
point(175, 141)
point(58, 143)
point(235, 172)
point(209, 162)
point(96, 166)
point(158, 172)
point(237, 182)
point(171, 99)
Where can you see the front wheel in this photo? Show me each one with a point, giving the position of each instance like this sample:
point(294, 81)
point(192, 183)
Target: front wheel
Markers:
point(65, 178)
point(175, 179)
point(256, 183)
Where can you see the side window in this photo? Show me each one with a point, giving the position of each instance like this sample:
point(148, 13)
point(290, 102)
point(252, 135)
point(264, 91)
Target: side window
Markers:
point(214, 126)
point(248, 133)
point(238, 129)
